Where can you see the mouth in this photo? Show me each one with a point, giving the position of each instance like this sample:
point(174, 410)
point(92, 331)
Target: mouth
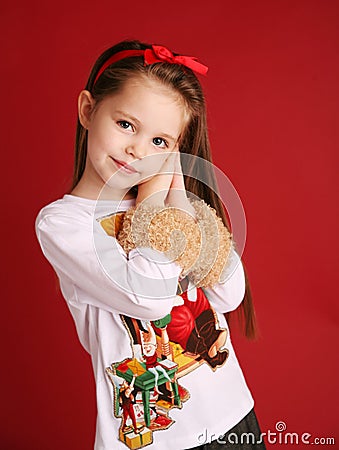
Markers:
point(123, 166)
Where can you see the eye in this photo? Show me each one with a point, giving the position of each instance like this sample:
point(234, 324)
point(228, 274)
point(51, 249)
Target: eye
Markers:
point(159, 142)
point(124, 124)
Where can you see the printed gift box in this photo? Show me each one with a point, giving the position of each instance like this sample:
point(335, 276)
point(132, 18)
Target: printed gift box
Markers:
point(135, 441)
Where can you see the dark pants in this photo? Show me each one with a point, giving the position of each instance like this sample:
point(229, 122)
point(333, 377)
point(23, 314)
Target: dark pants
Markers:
point(243, 436)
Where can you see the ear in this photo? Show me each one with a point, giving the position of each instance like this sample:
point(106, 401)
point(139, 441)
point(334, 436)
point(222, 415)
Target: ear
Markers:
point(85, 107)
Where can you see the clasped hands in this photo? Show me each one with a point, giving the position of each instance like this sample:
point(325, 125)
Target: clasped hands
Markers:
point(167, 187)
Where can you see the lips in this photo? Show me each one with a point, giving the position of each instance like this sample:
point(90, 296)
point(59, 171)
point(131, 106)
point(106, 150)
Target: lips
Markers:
point(125, 167)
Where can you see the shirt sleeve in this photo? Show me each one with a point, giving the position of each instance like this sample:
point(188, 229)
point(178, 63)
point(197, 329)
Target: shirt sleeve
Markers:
point(227, 295)
point(142, 285)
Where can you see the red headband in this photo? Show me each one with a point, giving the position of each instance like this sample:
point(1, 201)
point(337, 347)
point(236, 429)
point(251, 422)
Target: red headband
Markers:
point(154, 55)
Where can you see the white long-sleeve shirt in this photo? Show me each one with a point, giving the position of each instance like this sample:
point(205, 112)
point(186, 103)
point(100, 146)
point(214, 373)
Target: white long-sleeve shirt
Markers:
point(100, 283)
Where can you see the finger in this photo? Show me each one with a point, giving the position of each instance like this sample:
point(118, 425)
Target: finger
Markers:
point(178, 177)
point(169, 163)
point(155, 190)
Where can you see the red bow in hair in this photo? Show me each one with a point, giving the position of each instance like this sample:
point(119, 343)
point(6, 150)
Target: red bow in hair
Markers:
point(162, 54)
point(153, 55)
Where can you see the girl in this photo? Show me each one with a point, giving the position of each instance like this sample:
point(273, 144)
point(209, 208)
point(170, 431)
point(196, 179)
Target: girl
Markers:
point(138, 246)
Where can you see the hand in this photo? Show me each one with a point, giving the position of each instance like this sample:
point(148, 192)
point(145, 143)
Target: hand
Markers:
point(177, 192)
point(155, 190)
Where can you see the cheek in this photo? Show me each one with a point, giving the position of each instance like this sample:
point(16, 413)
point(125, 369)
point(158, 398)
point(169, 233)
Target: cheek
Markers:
point(102, 137)
point(98, 146)
point(94, 142)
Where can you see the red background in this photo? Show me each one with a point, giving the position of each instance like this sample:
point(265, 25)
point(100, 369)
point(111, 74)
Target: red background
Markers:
point(272, 94)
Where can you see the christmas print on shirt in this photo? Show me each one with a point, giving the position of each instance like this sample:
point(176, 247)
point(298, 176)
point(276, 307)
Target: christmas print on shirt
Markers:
point(146, 386)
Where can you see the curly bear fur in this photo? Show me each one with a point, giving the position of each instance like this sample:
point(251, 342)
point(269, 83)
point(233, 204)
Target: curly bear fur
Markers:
point(200, 245)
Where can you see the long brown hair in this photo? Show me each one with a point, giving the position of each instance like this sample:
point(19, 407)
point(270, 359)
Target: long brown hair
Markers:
point(194, 140)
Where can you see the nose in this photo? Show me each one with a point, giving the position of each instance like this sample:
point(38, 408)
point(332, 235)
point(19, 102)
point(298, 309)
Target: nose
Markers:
point(137, 148)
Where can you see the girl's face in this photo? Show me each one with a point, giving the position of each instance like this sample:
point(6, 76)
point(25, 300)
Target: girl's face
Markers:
point(136, 127)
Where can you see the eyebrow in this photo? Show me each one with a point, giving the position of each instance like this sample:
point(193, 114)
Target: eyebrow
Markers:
point(134, 119)
point(169, 137)
point(123, 113)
